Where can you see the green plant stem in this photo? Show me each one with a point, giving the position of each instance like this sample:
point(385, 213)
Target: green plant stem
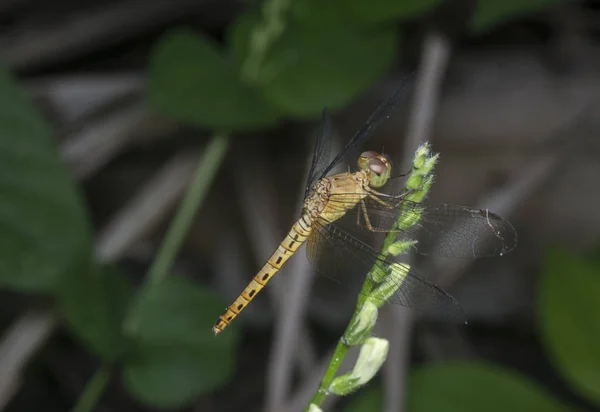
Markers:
point(203, 177)
point(336, 360)
point(342, 349)
point(93, 390)
point(424, 163)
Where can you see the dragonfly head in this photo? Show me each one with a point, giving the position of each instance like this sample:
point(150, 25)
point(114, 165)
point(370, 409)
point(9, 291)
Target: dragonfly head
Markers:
point(378, 167)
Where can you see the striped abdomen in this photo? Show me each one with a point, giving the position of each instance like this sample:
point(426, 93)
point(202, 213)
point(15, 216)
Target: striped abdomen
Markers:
point(294, 239)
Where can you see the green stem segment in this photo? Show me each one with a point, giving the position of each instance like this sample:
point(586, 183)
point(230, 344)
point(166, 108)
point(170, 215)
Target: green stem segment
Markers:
point(93, 390)
point(336, 360)
point(342, 348)
point(203, 177)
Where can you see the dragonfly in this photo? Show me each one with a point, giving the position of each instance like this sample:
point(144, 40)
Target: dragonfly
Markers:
point(442, 229)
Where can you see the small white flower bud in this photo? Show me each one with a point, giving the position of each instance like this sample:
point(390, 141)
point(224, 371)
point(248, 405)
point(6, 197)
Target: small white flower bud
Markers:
point(372, 355)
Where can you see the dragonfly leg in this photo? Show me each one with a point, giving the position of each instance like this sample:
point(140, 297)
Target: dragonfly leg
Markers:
point(363, 209)
point(374, 195)
point(358, 212)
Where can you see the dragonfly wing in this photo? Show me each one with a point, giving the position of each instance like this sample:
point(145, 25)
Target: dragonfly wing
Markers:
point(346, 260)
point(440, 229)
point(374, 121)
point(322, 152)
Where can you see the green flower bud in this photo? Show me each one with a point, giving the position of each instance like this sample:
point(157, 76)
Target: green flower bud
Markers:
point(414, 182)
point(372, 355)
point(400, 246)
point(382, 293)
point(344, 384)
point(430, 163)
point(314, 408)
point(378, 274)
point(421, 155)
point(409, 218)
point(362, 325)
point(418, 195)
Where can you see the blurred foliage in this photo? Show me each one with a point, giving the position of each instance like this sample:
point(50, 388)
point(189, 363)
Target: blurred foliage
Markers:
point(189, 78)
point(467, 387)
point(170, 355)
point(314, 65)
point(489, 13)
point(381, 11)
point(44, 231)
point(290, 59)
point(177, 356)
point(284, 59)
point(569, 319)
point(94, 304)
point(370, 400)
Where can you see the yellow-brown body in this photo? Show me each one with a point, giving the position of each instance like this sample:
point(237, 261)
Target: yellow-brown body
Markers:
point(353, 186)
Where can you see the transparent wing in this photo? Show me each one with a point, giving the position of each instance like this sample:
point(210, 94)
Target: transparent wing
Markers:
point(440, 229)
point(374, 121)
point(322, 152)
point(346, 260)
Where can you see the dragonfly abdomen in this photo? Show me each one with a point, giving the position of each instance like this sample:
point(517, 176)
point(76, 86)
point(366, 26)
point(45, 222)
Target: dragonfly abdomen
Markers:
point(293, 240)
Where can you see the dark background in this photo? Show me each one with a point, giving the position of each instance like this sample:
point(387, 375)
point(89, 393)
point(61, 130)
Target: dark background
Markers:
point(512, 106)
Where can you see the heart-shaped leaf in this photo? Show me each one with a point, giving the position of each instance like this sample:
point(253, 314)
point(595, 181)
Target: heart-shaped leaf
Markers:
point(191, 80)
point(44, 232)
point(569, 318)
point(177, 357)
point(313, 64)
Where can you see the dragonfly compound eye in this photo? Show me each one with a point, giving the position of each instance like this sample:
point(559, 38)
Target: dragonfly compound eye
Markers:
point(369, 154)
point(380, 170)
point(377, 166)
point(365, 158)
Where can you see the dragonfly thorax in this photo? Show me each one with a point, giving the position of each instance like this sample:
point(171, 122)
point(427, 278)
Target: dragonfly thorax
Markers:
point(317, 200)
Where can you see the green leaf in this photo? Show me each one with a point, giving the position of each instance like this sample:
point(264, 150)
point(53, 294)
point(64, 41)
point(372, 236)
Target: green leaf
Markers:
point(94, 303)
point(369, 400)
point(381, 11)
point(168, 377)
point(569, 317)
point(473, 387)
point(177, 356)
point(44, 231)
point(191, 80)
point(594, 255)
point(315, 64)
point(488, 13)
